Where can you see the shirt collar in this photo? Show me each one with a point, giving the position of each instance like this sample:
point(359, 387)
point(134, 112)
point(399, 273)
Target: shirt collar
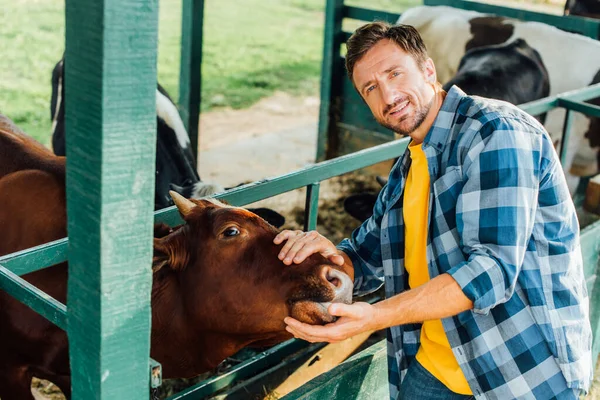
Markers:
point(439, 132)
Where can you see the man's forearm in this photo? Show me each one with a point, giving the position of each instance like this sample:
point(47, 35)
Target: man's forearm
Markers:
point(439, 298)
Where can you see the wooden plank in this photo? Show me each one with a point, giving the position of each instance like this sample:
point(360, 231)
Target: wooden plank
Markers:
point(111, 140)
point(363, 376)
point(327, 358)
point(190, 73)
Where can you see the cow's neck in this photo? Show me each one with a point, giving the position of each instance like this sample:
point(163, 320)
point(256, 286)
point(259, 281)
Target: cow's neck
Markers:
point(184, 352)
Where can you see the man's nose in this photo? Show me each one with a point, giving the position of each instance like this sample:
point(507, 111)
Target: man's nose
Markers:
point(388, 94)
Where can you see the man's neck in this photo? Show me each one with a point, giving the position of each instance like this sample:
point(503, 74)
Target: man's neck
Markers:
point(418, 135)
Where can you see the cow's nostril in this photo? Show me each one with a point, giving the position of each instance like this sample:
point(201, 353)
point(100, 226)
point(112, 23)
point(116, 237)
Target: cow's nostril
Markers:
point(341, 284)
point(334, 281)
point(332, 276)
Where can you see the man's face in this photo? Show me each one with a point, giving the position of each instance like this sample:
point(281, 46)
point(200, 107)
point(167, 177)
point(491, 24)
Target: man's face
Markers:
point(398, 91)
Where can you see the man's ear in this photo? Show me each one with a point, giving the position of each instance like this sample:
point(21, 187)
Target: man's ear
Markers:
point(429, 71)
point(170, 251)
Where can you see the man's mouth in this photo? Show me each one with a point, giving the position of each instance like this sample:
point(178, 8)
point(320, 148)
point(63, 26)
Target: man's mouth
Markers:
point(397, 110)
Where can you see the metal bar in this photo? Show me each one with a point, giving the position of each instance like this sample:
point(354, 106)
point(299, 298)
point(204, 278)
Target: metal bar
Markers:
point(315, 173)
point(585, 26)
point(245, 369)
point(567, 99)
point(111, 140)
point(541, 106)
point(364, 14)
point(311, 208)
point(190, 69)
point(329, 70)
point(319, 172)
point(566, 135)
point(590, 110)
point(582, 94)
point(48, 307)
point(36, 258)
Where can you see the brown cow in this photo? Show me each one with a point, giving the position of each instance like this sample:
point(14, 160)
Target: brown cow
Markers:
point(217, 285)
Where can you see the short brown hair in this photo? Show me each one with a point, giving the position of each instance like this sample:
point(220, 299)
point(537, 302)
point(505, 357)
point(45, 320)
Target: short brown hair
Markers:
point(367, 36)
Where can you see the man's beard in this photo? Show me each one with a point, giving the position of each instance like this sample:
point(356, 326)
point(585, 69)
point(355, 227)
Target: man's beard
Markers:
point(417, 118)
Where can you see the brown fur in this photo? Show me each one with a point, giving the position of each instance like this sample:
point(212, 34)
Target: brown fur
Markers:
point(212, 294)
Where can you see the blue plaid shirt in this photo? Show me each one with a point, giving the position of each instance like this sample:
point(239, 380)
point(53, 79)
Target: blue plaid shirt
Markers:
point(503, 224)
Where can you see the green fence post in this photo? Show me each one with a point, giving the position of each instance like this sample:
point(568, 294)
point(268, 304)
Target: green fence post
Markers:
point(329, 71)
point(111, 140)
point(566, 136)
point(190, 76)
point(311, 208)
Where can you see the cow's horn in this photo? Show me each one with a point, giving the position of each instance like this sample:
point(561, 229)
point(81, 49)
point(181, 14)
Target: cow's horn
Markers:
point(184, 205)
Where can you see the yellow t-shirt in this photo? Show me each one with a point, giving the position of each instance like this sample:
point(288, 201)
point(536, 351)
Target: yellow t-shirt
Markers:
point(434, 354)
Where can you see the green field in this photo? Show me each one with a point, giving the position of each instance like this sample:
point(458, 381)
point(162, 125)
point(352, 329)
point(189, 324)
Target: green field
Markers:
point(251, 49)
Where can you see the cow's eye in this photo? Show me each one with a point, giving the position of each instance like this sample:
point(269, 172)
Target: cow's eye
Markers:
point(231, 231)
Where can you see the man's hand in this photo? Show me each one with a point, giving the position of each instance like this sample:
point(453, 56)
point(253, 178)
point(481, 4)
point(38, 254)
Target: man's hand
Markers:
point(354, 319)
point(300, 245)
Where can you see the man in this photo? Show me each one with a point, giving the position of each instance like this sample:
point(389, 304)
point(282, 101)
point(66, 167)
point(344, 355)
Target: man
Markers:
point(475, 237)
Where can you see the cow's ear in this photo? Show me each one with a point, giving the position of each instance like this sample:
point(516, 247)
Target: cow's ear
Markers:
point(170, 251)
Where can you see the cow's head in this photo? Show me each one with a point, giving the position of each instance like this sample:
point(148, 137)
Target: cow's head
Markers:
point(231, 279)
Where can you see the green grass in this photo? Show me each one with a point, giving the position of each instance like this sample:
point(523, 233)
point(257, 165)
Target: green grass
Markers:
point(251, 49)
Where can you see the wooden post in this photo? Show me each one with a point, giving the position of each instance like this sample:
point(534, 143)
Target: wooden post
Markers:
point(190, 74)
point(111, 140)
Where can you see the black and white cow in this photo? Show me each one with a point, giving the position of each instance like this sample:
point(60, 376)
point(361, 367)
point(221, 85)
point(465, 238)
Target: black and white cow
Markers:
point(175, 163)
point(572, 62)
point(583, 8)
point(510, 72)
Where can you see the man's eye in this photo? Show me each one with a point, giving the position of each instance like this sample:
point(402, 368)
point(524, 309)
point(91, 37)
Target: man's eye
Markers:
point(232, 231)
point(370, 88)
point(395, 73)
